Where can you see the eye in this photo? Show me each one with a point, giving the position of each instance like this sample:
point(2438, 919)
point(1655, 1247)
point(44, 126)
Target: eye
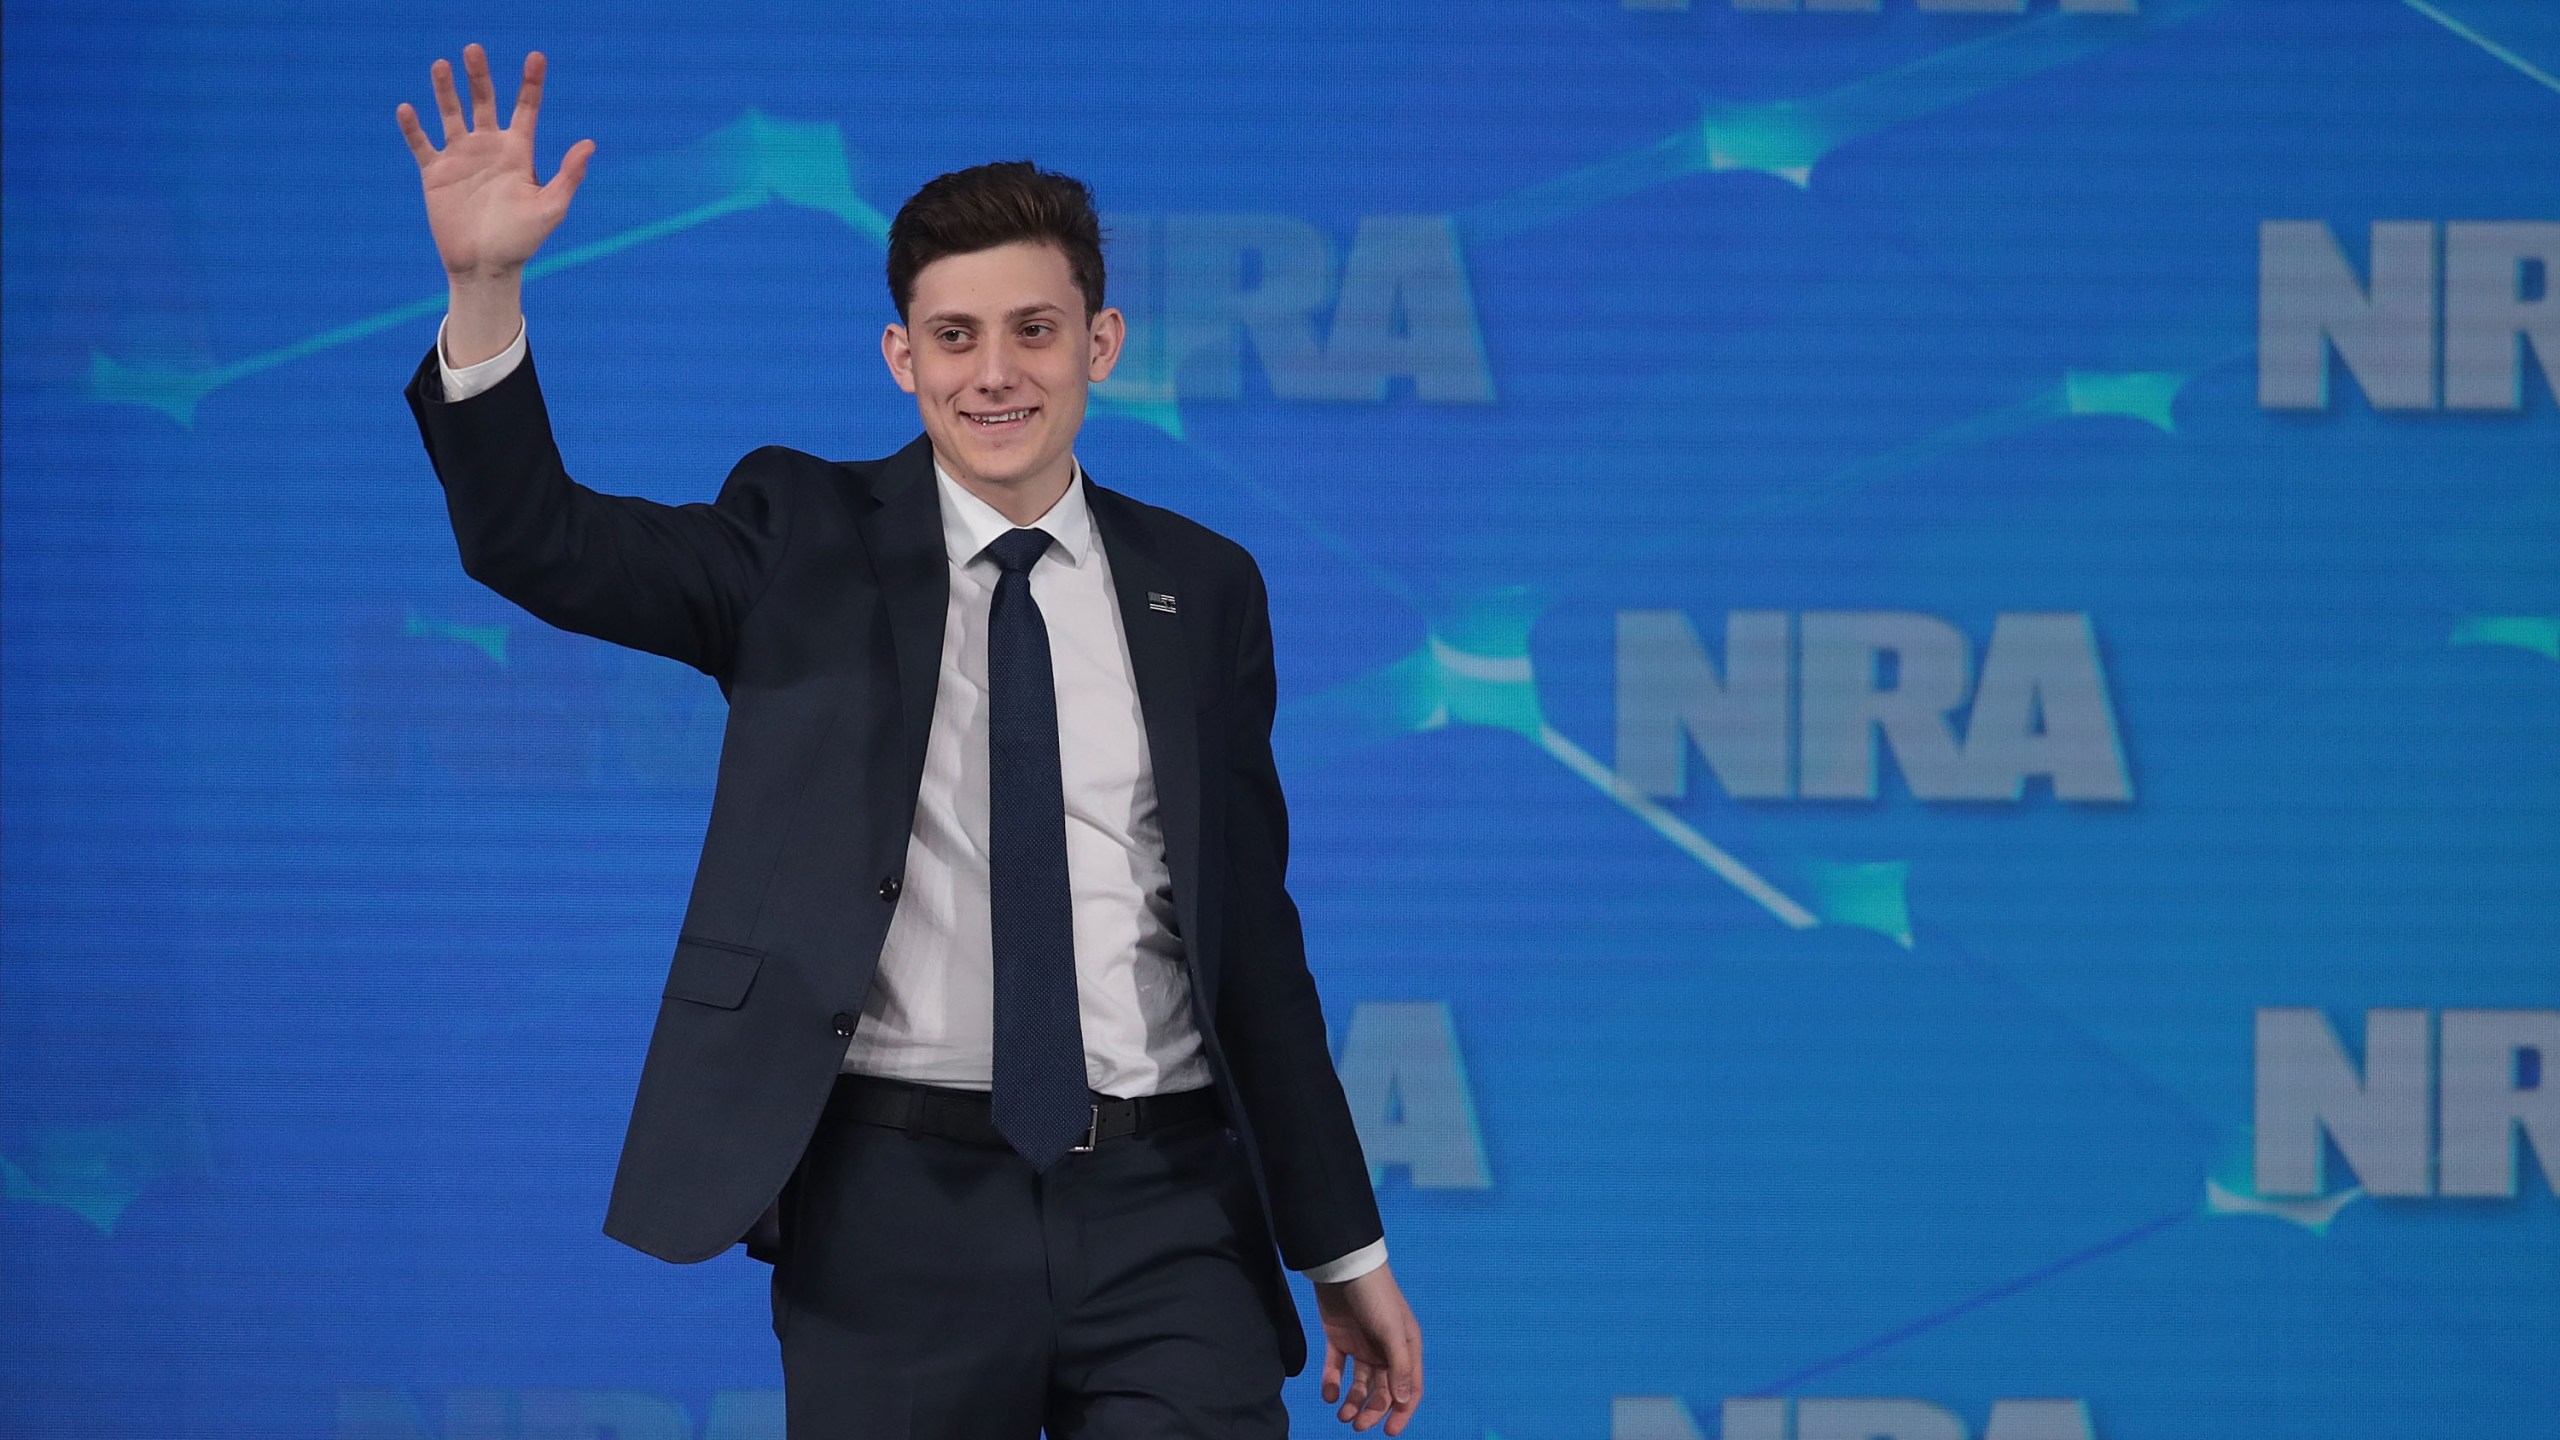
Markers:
point(1038, 329)
point(951, 335)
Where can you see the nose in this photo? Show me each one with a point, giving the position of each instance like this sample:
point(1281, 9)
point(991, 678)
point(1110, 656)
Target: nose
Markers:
point(995, 367)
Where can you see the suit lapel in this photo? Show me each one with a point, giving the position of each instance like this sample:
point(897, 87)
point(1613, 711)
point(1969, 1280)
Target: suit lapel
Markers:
point(904, 535)
point(1151, 615)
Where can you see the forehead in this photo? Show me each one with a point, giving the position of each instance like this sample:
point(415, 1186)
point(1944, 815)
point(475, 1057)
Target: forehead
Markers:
point(985, 284)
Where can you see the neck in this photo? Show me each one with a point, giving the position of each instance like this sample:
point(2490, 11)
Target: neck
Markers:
point(1020, 501)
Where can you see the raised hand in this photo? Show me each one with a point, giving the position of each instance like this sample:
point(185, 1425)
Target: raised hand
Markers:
point(487, 212)
point(483, 205)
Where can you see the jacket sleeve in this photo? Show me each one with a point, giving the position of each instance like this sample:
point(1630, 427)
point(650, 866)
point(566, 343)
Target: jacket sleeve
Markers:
point(1270, 1022)
point(674, 580)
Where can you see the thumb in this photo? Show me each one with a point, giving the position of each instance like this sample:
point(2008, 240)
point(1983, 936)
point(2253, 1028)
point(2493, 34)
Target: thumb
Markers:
point(1404, 1365)
point(573, 171)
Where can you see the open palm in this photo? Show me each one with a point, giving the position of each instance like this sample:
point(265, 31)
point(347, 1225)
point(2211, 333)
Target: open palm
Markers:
point(486, 210)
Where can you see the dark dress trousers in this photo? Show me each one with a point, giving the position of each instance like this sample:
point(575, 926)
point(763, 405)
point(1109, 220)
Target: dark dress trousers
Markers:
point(813, 592)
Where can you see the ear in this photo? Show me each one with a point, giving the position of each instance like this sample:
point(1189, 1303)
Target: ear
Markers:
point(1110, 332)
point(901, 357)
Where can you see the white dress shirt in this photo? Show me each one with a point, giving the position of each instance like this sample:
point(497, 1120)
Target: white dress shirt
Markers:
point(930, 1014)
point(930, 1017)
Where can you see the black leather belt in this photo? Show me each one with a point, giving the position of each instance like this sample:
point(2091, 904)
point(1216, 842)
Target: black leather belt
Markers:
point(964, 1115)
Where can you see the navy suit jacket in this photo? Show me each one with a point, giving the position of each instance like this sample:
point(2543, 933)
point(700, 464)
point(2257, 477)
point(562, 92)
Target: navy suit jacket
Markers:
point(814, 592)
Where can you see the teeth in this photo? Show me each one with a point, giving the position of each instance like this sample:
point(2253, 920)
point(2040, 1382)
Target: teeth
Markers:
point(999, 419)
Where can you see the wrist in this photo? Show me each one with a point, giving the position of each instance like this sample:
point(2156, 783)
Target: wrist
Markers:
point(482, 316)
point(484, 274)
point(484, 292)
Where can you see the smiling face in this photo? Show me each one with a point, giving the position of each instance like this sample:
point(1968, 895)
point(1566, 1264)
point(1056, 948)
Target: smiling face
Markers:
point(999, 354)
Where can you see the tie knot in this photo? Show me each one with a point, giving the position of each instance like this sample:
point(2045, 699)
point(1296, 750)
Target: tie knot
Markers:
point(1015, 550)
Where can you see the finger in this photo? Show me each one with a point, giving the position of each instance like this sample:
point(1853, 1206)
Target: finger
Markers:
point(1366, 1397)
point(1405, 1368)
point(563, 187)
point(415, 134)
point(1332, 1373)
point(448, 105)
point(1389, 1377)
point(1355, 1376)
point(1373, 1405)
point(484, 94)
point(528, 96)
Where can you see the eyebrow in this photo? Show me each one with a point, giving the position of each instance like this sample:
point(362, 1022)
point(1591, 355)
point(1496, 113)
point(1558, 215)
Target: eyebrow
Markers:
point(947, 317)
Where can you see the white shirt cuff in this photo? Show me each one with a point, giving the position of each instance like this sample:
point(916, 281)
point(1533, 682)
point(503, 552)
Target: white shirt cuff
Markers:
point(471, 380)
point(1349, 1267)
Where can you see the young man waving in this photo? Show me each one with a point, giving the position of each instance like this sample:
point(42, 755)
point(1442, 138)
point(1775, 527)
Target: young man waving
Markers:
point(990, 1022)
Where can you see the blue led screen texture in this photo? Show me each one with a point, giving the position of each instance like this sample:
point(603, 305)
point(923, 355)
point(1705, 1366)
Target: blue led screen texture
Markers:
point(1920, 657)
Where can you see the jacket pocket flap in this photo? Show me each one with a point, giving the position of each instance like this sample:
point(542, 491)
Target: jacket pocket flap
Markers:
point(710, 973)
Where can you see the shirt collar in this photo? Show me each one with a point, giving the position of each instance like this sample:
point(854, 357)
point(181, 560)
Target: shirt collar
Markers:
point(970, 525)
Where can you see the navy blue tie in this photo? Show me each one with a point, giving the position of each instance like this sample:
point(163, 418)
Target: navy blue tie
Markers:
point(1041, 1104)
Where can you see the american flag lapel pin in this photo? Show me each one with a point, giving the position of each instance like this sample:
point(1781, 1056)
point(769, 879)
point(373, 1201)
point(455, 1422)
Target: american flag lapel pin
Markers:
point(1158, 600)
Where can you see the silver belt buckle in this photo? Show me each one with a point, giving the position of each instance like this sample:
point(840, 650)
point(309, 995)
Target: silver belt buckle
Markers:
point(1092, 1131)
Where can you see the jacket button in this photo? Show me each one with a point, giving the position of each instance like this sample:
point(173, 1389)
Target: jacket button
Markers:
point(889, 888)
point(844, 1024)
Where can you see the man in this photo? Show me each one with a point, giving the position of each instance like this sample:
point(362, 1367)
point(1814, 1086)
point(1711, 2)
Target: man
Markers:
point(990, 1022)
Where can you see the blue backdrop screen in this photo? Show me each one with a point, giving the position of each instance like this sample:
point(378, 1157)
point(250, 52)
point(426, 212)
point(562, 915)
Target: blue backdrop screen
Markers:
point(1920, 647)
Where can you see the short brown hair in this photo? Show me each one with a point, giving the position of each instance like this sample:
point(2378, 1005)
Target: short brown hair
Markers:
point(985, 206)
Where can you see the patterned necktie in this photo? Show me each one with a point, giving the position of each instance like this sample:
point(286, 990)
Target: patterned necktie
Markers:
point(1041, 1103)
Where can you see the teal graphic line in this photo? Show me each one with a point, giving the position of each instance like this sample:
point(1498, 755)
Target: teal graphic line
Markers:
point(748, 162)
point(2150, 396)
point(1870, 894)
point(1672, 828)
point(1971, 1303)
point(2312, 1214)
point(2537, 634)
point(2522, 66)
point(489, 640)
point(1474, 669)
point(1279, 504)
point(1788, 138)
point(97, 1171)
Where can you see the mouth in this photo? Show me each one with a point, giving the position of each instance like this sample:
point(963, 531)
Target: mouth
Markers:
point(999, 421)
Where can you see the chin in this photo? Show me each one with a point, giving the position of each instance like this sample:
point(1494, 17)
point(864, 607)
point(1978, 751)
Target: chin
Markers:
point(999, 466)
point(1000, 463)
